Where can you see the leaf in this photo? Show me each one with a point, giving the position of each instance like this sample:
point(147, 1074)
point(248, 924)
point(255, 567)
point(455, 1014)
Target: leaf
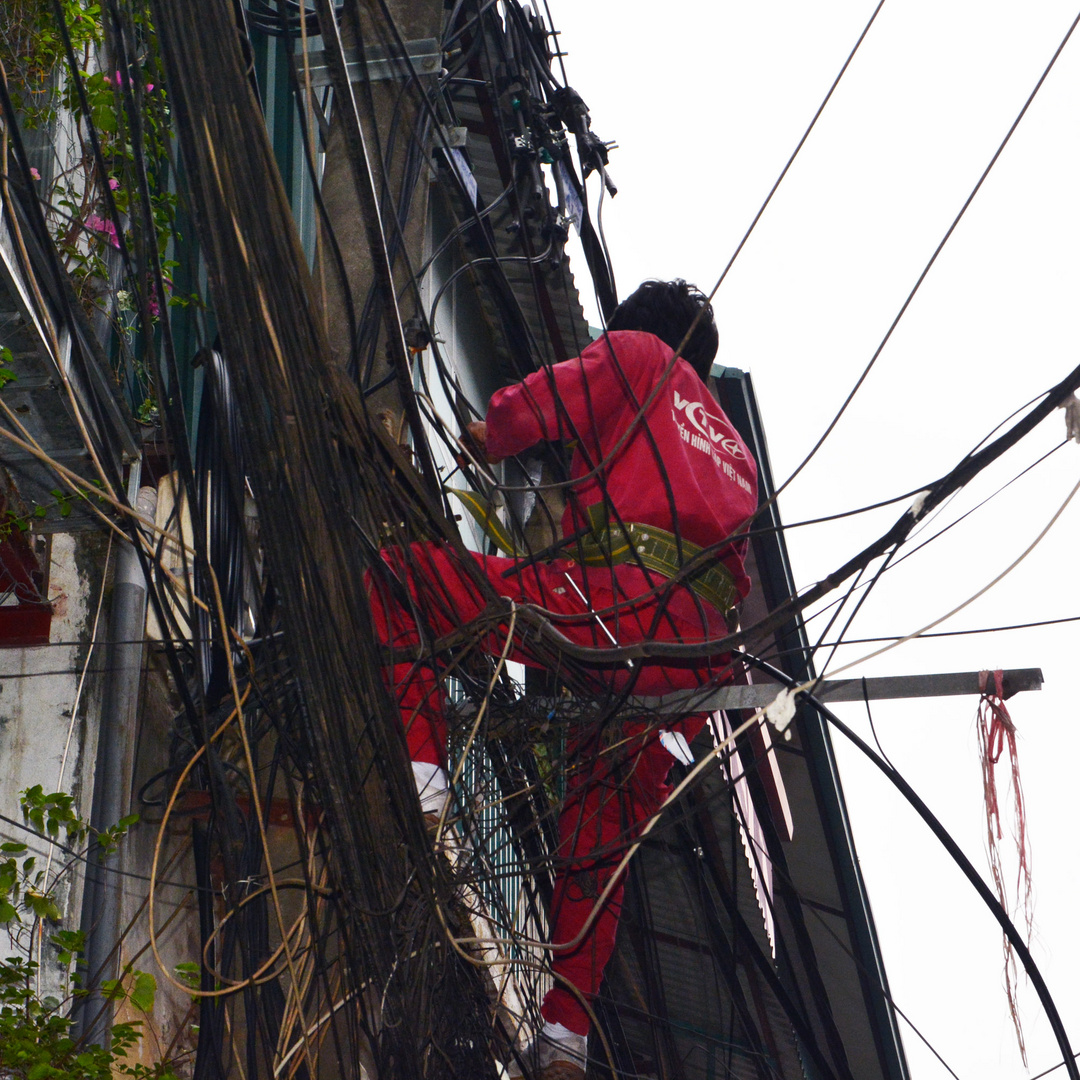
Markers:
point(189, 973)
point(142, 993)
point(42, 906)
point(113, 989)
point(12, 848)
point(8, 877)
point(69, 939)
point(7, 912)
point(104, 118)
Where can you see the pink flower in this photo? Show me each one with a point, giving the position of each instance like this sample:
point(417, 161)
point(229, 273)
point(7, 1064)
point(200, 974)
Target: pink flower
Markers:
point(113, 183)
point(105, 228)
point(34, 173)
point(149, 87)
point(153, 306)
point(106, 80)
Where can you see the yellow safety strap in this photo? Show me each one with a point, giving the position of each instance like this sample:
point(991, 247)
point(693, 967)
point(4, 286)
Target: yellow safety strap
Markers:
point(485, 515)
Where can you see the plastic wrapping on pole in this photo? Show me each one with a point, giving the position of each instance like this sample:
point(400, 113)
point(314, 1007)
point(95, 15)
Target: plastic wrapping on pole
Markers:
point(103, 891)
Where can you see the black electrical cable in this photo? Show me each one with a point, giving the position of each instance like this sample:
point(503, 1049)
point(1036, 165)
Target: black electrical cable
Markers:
point(749, 769)
point(276, 20)
point(522, 329)
point(979, 505)
point(766, 967)
point(300, 98)
point(891, 564)
point(965, 633)
point(167, 373)
point(933, 259)
point(907, 494)
point(473, 21)
point(219, 480)
point(86, 353)
point(989, 899)
point(1053, 1068)
point(457, 233)
point(499, 60)
point(252, 944)
point(554, 34)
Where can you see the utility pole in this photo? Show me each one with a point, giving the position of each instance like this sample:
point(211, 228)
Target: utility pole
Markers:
point(393, 116)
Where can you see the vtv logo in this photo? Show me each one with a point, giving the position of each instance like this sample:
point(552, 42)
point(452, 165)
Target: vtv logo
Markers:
point(717, 431)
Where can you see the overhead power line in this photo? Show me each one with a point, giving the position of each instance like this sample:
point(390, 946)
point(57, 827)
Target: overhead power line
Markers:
point(933, 258)
point(961, 633)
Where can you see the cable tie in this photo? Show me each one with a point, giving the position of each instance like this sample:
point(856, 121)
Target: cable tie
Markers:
point(917, 504)
point(1072, 418)
point(782, 711)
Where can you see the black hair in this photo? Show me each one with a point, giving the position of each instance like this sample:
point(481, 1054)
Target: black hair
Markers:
point(667, 309)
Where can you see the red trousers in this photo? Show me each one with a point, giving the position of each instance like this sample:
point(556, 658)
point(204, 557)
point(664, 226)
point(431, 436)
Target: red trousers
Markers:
point(610, 791)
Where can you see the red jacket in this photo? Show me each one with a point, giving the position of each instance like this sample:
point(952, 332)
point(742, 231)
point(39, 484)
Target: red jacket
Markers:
point(594, 400)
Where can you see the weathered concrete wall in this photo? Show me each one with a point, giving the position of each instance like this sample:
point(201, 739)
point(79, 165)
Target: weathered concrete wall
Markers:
point(48, 729)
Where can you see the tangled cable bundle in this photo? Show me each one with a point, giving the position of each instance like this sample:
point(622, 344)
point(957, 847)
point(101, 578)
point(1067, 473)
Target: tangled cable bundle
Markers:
point(339, 933)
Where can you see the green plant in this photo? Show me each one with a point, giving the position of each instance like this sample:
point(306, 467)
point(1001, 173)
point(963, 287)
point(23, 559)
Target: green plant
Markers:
point(6, 357)
point(35, 1036)
point(91, 202)
point(106, 98)
point(63, 502)
point(31, 49)
point(36, 1041)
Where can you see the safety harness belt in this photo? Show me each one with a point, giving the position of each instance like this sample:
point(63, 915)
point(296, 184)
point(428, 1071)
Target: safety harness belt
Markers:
point(629, 541)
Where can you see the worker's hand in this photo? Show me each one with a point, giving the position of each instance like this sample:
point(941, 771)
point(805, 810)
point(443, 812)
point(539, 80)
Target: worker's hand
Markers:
point(476, 434)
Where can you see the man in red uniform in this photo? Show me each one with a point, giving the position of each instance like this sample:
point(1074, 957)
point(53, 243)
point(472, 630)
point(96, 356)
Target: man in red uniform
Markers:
point(658, 474)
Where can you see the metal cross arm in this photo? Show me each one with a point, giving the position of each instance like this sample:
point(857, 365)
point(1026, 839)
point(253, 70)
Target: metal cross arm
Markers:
point(379, 62)
point(759, 695)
